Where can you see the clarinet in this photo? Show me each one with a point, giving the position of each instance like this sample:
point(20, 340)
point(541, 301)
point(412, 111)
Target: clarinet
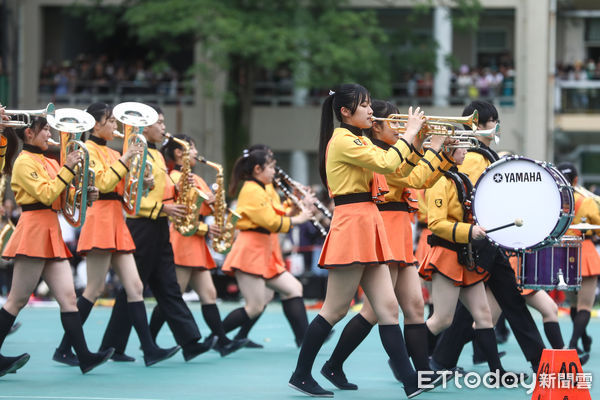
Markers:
point(294, 199)
point(297, 186)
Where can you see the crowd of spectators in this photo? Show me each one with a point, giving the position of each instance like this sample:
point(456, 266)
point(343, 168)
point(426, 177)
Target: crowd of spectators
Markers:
point(101, 75)
point(576, 90)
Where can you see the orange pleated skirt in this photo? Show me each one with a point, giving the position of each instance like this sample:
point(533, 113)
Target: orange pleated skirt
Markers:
point(277, 263)
point(399, 234)
point(105, 229)
point(445, 261)
point(422, 246)
point(514, 263)
point(356, 235)
point(191, 251)
point(252, 253)
point(37, 235)
point(590, 260)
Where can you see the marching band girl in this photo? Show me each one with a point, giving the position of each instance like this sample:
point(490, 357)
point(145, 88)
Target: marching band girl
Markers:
point(37, 245)
point(347, 163)
point(250, 259)
point(423, 170)
point(450, 265)
point(105, 239)
point(193, 262)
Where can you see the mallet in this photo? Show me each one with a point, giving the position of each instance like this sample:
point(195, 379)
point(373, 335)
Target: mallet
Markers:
point(517, 222)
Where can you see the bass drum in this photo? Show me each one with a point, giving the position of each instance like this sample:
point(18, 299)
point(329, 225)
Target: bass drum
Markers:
point(521, 188)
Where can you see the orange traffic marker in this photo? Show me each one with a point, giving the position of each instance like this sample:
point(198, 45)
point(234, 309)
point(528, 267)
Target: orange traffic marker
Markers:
point(560, 377)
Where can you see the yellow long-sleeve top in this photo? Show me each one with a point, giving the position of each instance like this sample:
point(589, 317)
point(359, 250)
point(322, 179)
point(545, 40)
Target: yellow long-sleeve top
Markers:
point(585, 207)
point(38, 179)
point(422, 174)
point(475, 163)
point(351, 160)
point(281, 208)
point(107, 166)
point(255, 205)
point(203, 187)
point(163, 190)
point(445, 212)
point(3, 143)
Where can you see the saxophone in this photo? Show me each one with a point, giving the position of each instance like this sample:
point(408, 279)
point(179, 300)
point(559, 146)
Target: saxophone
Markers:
point(188, 194)
point(9, 228)
point(224, 218)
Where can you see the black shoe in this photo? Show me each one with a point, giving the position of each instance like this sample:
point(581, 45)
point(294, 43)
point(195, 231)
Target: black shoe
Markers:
point(95, 360)
point(337, 377)
point(230, 347)
point(583, 357)
point(9, 365)
point(253, 345)
point(477, 360)
point(68, 357)
point(122, 357)
point(193, 350)
point(14, 328)
point(440, 372)
point(309, 386)
point(587, 343)
point(160, 355)
point(412, 391)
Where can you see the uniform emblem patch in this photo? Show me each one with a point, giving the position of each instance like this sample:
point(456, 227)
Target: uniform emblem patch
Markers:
point(438, 202)
point(358, 142)
point(34, 175)
point(92, 163)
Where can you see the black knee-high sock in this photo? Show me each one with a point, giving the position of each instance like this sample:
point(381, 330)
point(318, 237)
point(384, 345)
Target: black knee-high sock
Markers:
point(415, 336)
point(573, 313)
point(85, 308)
point(393, 343)
point(486, 340)
point(582, 318)
point(211, 315)
point(157, 320)
point(355, 331)
point(295, 312)
point(236, 318)
point(553, 334)
point(317, 332)
point(6, 322)
point(139, 319)
point(71, 322)
point(431, 341)
point(245, 328)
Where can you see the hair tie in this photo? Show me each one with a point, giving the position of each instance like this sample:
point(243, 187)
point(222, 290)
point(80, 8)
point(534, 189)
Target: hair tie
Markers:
point(331, 92)
point(245, 153)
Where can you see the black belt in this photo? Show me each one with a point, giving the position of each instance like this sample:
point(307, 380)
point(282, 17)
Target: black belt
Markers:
point(35, 206)
point(110, 196)
point(393, 206)
point(434, 240)
point(259, 230)
point(352, 198)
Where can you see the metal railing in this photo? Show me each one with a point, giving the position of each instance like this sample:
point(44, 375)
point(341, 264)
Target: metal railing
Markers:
point(577, 96)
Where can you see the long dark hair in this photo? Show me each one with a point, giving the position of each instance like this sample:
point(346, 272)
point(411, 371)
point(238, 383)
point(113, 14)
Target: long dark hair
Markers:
point(348, 95)
point(12, 147)
point(381, 109)
point(168, 149)
point(244, 165)
point(98, 110)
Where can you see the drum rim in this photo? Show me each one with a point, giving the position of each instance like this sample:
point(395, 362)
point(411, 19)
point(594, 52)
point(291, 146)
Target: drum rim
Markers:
point(552, 238)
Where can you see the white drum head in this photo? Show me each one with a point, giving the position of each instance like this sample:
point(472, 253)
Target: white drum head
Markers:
point(517, 189)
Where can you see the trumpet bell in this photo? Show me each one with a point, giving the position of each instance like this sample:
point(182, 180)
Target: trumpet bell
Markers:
point(135, 114)
point(22, 118)
point(71, 120)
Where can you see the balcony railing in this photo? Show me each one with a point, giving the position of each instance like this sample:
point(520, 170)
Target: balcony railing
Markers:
point(577, 97)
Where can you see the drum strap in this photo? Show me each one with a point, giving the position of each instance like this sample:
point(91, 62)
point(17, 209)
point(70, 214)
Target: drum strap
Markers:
point(486, 152)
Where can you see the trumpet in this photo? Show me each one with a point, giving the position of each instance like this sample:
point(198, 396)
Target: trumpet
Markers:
point(465, 139)
point(134, 117)
point(586, 193)
point(22, 118)
point(71, 123)
point(433, 125)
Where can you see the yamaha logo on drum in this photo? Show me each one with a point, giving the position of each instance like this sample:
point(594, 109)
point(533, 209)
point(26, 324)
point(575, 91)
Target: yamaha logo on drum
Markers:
point(511, 177)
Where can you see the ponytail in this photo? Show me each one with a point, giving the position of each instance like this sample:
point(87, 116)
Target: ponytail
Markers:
point(348, 95)
point(12, 147)
point(244, 166)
